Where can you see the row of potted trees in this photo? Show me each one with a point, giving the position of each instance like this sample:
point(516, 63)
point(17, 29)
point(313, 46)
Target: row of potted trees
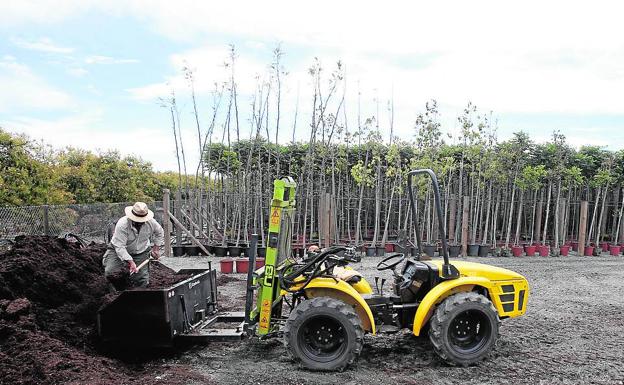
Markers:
point(231, 249)
point(564, 250)
point(428, 249)
point(242, 249)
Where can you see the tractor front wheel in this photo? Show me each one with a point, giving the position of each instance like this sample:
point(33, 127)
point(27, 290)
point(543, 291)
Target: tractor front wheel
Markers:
point(324, 333)
point(464, 328)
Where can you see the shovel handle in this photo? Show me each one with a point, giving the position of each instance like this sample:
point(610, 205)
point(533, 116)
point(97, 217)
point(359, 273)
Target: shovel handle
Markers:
point(144, 263)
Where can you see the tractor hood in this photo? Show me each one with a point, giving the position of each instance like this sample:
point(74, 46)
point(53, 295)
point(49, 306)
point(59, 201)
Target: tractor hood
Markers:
point(472, 269)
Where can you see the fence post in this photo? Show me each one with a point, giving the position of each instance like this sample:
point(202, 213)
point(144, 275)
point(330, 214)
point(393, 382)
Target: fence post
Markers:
point(582, 228)
point(178, 214)
point(46, 220)
point(166, 223)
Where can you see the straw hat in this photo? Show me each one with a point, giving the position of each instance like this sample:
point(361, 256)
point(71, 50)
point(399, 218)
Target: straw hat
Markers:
point(139, 212)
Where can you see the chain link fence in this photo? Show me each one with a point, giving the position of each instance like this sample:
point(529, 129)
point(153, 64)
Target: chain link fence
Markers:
point(88, 221)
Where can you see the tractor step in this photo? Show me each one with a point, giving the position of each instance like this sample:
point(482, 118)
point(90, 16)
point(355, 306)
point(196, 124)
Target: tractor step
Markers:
point(217, 329)
point(213, 335)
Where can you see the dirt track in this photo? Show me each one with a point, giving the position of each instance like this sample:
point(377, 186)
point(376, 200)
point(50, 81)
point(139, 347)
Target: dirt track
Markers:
point(573, 333)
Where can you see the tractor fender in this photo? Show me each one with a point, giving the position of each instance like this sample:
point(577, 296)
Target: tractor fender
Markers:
point(363, 287)
point(340, 290)
point(346, 272)
point(440, 292)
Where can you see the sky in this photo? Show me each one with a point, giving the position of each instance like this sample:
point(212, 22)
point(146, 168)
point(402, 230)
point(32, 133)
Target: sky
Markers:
point(90, 74)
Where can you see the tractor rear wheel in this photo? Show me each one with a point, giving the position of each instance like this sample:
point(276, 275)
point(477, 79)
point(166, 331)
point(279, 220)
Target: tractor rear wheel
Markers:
point(464, 328)
point(324, 333)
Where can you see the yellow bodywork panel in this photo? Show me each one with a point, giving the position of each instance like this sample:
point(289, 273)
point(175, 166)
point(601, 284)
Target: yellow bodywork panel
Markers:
point(508, 290)
point(362, 287)
point(340, 290)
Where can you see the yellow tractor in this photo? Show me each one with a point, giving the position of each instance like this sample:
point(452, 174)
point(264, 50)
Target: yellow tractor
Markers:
point(331, 306)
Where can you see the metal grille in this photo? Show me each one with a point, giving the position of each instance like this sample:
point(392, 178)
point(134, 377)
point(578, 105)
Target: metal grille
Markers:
point(88, 221)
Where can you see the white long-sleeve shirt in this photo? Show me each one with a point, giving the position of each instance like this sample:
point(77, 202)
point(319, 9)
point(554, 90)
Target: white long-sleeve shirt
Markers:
point(127, 240)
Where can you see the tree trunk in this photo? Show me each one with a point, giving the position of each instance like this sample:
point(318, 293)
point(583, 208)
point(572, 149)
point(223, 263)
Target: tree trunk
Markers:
point(547, 212)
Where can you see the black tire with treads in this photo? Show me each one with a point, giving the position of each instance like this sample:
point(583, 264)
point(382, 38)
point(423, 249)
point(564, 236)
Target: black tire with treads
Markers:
point(324, 334)
point(464, 328)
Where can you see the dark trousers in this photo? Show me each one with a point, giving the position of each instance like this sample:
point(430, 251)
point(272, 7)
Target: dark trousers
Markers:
point(117, 273)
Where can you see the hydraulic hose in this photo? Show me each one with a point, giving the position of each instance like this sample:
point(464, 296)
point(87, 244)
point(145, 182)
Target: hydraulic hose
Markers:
point(288, 275)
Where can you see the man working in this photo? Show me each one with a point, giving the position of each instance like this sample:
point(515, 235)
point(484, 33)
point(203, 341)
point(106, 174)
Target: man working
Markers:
point(130, 246)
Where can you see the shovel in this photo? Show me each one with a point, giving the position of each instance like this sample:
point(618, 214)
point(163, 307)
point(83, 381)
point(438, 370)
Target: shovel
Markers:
point(143, 264)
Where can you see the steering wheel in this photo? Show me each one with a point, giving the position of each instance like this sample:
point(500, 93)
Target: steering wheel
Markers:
point(391, 261)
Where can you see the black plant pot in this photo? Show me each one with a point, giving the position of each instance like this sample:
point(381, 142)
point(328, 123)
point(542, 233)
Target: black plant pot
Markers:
point(381, 251)
point(244, 247)
point(454, 251)
point(400, 249)
point(371, 251)
point(209, 247)
point(220, 251)
point(484, 250)
point(414, 251)
point(473, 250)
point(429, 250)
point(192, 250)
point(178, 251)
point(235, 251)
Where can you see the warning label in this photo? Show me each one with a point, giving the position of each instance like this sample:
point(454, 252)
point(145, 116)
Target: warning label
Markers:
point(265, 314)
point(275, 216)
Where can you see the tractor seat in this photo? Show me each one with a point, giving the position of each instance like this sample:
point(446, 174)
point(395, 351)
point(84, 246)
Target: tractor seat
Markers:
point(347, 274)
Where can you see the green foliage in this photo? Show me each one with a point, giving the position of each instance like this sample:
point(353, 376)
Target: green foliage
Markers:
point(531, 177)
point(32, 175)
point(361, 174)
point(573, 176)
point(27, 174)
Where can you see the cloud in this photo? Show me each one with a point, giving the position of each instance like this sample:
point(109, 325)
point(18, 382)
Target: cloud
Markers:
point(85, 130)
point(100, 59)
point(43, 44)
point(208, 66)
point(537, 57)
point(23, 90)
point(77, 71)
point(15, 13)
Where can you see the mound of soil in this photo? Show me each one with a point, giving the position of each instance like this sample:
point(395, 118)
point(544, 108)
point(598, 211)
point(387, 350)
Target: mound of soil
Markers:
point(50, 291)
point(161, 276)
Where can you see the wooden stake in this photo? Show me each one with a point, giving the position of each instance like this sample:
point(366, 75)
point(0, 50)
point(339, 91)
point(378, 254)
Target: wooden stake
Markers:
point(465, 219)
point(182, 228)
point(194, 225)
point(451, 222)
point(537, 232)
point(582, 227)
point(166, 223)
point(178, 211)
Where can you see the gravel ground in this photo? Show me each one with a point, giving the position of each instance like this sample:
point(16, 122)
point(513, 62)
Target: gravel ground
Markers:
point(572, 333)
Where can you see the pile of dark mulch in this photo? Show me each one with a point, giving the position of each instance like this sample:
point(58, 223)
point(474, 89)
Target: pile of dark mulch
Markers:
point(160, 276)
point(50, 291)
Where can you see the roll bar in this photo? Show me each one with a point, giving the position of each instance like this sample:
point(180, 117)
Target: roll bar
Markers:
point(448, 270)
